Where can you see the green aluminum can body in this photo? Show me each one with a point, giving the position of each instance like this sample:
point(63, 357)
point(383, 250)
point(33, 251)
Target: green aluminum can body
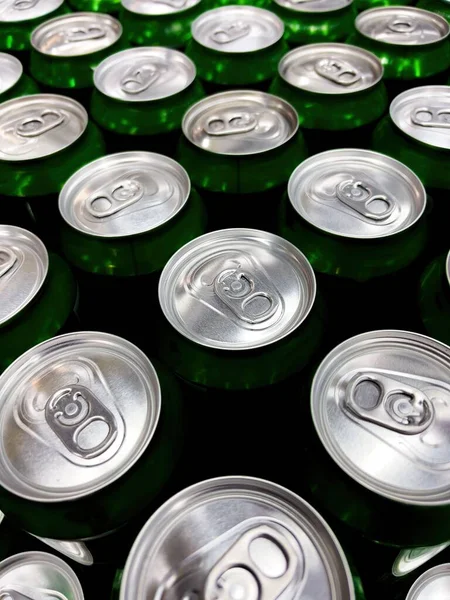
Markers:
point(440, 7)
point(361, 5)
point(434, 299)
point(219, 3)
point(111, 7)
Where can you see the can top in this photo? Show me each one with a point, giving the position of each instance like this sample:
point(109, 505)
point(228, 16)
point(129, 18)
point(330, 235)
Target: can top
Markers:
point(38, 575)
point(237, 29)
point(39, 125)
point(124, 194)
point(423, 113)
point(447, 268)
point(76, 34)
point(402, 26)
point(434, 584)
point(331, 68)
point(410, 559)
point(77, 551)
point(159, 7)
point(314, 6)
point(10, 71)
point(76, 412)
point(245, 534)
point(237, 289)
point(387, 393)
point(240, 123)
point(144, 74)
point(16, 11)
point(356, 193)
point(23, 269)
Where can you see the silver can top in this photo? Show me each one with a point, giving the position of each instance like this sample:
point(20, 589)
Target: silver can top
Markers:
point(37, 126)
point(423, 113)
point(38, 576)
point(447, 268)
point(380, 403)
point(237, 289)
point(240, 123)
point(241, 535)
point(77, 551)
point(10, 71)
point(235, 29)
point(124, 194)
point(410, 559)
point(159, 7)
point(402, 25)
point(432, 585)
point(356, 193)
point(23, 269)
point(76, 34)
point(144, 74)
point(76, 412)
point(331, 68)
point(314, 6)
point(15, 11)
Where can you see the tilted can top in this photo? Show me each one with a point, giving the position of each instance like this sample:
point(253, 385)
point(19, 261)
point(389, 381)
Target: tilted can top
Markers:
point(434, 584)
point(356, 193)
point(76, 34)
point(39, 125)
point(241, 535)
point(76, 412)
point(237, 289)
point(331, 68)
point(159, 7)
point(314, 6)
point(144, 74)
point(16, 11)
point(447, 268)
point(23, 269)
point(77, 551)
point(402, 26)
point(124, 194)
point(38, 576)
point(410, 559)
point(423, 113)
point(236, 29)
point(10, 71)
point(240, 123)
point(380, 403)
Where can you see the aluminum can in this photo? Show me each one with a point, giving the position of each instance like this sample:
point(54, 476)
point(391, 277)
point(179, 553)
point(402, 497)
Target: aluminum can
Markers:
point(245, 534)
point(432, 584)
point(140, 97)
point(219, 3)
point(239, 148)
point(237, 47)
point(434, 298)
point(111, 7)
point(337, 91)
point(13, 81)
point(84, 423)
point(309, 21)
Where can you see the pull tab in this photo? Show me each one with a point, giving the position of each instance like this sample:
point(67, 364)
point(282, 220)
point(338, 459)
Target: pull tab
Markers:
point(363, 199)
point(231, 124)
point(402, 26)
point(36, 126)
point(22, 592)
point(231, 32)
point(246, 295)
point(83, 424)
point(172, 3)
point(84, 34)
point(8, 259)
point(24, 4)
point(138, 79)
point(389, 403)
point(259, 566)
point(106, 203)
point(337, 71)
point(427, 116)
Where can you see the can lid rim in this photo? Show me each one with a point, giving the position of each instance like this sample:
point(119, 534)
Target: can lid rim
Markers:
point(59, 3)
point(432, 573)
point(127, 5)
point(17, 64)
point(344, 5)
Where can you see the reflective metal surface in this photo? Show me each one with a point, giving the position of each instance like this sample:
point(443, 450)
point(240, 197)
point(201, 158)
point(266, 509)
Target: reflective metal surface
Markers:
point(159, 7)
point(23, 269)
point(402, 26)
point(76, 412)
point(331, 68)
point(124, 194)
point(314, 6)
point(10, 71)
point(236, 537)
point(237, 289)
point(434, 584)
point(14, 11)
point(240, 123)
point(144, 74)
point(237, 29)
point(447, 269)
point(356, 193)
point(380, 404)
point(412, 558)
point(77, 551)
point(76, 34)
point(423, 113)
point(39, 125)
